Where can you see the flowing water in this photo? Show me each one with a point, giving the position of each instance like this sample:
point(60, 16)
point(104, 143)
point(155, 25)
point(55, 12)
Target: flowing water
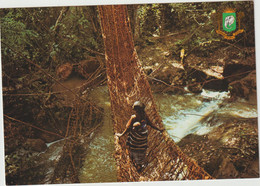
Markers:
point(191, 113)
point(181, 115)
point(100, 165)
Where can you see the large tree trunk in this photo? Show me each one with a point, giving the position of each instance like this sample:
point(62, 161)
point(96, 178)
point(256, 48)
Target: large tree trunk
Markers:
point(127, 83)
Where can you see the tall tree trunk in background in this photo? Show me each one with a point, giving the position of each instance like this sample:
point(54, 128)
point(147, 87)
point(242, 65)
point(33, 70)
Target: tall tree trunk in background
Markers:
point(137, 24)
point(134, 20)
point(95, 22)
point(127, 83)
point(162, 19)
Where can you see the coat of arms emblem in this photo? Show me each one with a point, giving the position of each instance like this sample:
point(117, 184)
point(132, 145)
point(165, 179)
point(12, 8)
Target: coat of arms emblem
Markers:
point(229, 23)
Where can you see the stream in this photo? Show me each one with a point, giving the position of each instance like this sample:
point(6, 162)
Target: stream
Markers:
point(99, 164)
point(181, 114)
point(192, 113)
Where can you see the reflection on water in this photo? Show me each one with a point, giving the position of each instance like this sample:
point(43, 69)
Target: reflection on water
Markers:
point(100, 165)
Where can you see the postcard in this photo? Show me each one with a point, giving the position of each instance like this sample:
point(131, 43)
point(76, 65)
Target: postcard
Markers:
point(127, 92)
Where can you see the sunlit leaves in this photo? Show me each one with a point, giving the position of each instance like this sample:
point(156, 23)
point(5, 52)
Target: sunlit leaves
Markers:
point(15, 33)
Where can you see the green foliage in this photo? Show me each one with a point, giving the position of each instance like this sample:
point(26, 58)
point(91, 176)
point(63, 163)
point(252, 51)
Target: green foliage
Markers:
point(16, 34)
point(148, 16)
point(77, 34)
point(39, 34)
point(198, 22)
point(48, 38)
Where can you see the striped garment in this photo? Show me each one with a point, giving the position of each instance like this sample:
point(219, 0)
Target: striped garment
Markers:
point(137, 142)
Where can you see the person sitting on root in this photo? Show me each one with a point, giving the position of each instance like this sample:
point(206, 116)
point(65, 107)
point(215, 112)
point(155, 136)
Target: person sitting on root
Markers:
point(138, 134)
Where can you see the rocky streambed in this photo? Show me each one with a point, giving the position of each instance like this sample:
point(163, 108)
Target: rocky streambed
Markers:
point(208, 106)
point(228, 151)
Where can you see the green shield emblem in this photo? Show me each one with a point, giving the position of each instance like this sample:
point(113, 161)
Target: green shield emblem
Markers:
point(229, 21)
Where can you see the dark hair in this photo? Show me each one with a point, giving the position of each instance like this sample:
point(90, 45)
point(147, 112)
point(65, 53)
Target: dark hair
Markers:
point(138, 106)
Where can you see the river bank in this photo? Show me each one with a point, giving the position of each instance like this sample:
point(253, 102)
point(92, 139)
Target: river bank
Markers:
point(211, 115)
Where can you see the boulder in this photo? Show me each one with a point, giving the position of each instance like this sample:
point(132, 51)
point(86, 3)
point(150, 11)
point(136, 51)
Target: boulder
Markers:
point(63, 71)
point(236, 71)
point(216, 84)
point(195, 79)
point(166, 78)
point(201, 78)
point(245, 87)
point(37, 145)
point(226, 170)
point(219, 69)
point(48, 138)
point(226, 151)
point(168, 73)
point(87, 67)
point(195, 87)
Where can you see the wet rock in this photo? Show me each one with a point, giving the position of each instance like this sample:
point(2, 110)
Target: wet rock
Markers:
point(227, 151)
point(195, 87)
point(37, 145)
point(64, 70)
point(236, 71)
point(252, 170)
point(244, 87)
point(216, 84)
point(195, 78)
point(198, 79)
point(226, 170)
point(48, 138)
point(168, 74)
point(220, 68)
point(167, 78)
point(191, 137)
point(87, 67)
point(27, 167)
point(195, 74)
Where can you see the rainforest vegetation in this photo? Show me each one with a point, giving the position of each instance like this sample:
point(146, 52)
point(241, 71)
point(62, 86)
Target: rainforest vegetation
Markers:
point(54, 70)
